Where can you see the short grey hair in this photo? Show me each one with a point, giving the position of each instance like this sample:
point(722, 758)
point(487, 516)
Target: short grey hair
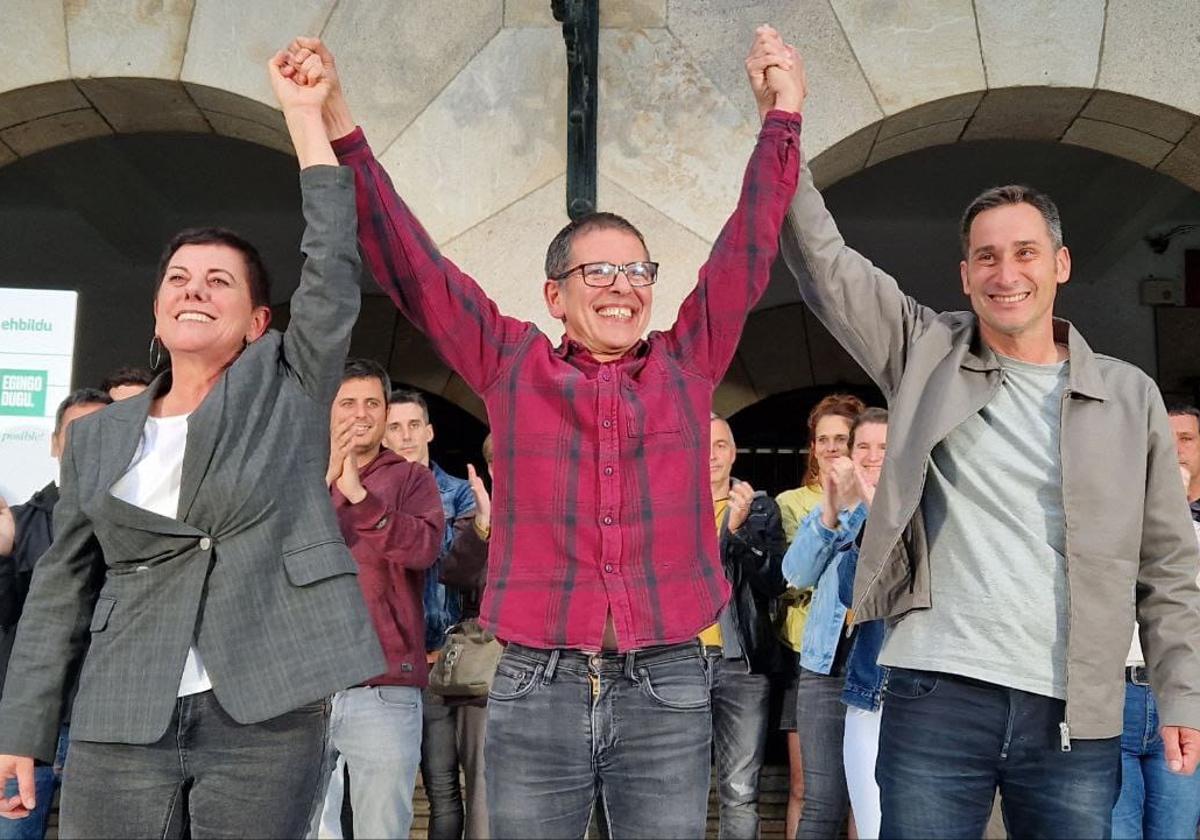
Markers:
point(1003, 197)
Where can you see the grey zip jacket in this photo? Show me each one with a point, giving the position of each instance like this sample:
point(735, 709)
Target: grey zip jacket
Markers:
point(1129, 534)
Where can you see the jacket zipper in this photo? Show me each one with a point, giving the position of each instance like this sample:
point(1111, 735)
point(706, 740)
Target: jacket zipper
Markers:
point(1064, 728)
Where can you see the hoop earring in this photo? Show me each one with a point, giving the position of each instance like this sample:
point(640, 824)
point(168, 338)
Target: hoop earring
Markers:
point(156, 353)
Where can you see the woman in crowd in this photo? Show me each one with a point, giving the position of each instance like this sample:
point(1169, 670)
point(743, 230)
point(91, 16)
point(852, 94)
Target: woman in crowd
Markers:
point(828, 433)
point(198, 574)
point(809, 562)
point(826, 549)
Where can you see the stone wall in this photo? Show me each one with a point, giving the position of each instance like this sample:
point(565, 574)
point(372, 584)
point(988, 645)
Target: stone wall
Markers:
point(464, 101)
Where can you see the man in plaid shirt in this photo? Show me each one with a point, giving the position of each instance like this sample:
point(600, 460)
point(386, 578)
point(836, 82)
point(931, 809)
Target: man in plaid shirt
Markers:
point(603, 564)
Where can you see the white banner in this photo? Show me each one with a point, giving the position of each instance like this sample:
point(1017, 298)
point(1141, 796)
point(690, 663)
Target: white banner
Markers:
point(37, 346)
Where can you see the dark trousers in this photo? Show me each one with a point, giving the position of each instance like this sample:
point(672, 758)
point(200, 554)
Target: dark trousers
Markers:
point(565, 727)
point(208, 776)
point(439, 767)
point(947, 743)
point(740, 705)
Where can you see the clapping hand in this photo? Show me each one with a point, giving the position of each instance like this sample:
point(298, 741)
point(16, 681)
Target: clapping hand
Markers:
point(740, 497)
point(841, 488)
point(483, 502)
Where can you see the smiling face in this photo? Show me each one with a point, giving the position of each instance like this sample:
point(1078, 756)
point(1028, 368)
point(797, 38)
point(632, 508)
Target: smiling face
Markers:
point(608, 322)
point(831, 440)
point(1012, 273)
point(870, 446)
point(203, 307)
point(364, 400)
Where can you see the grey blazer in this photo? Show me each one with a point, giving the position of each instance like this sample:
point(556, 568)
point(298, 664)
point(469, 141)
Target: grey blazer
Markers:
point(254, 569)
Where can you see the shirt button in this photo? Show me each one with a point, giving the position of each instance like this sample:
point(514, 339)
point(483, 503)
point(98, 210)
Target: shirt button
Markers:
point(608, 470)
point(607, 424)
point(608, 520)
point(608, 567)
point(205, 543)
point(605, 375)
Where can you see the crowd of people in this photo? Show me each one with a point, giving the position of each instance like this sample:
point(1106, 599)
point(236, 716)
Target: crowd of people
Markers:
point(254, 605)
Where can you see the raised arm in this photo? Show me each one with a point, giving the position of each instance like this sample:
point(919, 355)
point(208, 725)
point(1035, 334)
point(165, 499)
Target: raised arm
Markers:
point(711, 318)
point(325, 305)
point(460, 320)
point(860, 305)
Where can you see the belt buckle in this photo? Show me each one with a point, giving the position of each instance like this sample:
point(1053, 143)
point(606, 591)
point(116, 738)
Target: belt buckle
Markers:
point(1137, 675)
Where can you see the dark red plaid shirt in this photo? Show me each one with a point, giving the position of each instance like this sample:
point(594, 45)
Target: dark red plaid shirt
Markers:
point(601, 499)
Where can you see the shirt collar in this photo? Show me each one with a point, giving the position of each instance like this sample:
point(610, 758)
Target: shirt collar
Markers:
point(1084, 373)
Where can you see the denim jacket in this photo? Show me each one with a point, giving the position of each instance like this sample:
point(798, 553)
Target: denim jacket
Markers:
point(443, 607)
point(864, 674)
point(812, 560)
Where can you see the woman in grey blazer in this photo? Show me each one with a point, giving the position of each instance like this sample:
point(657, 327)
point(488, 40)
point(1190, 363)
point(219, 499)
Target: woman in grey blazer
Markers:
point(198, 576)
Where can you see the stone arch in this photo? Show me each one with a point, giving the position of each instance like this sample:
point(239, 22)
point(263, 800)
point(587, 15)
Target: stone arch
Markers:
point(40, 117)
point(1150, 133)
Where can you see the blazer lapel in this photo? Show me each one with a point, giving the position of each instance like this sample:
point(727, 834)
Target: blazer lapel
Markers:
point(204, 427)
point(121, 427)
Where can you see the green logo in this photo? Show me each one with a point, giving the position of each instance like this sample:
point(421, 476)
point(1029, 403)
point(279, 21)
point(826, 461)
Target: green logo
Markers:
point(23, 393)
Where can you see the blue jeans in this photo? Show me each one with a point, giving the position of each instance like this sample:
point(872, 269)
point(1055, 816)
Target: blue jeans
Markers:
point(948, 742)
point(566, 726)
point(377, 731)
point(1155, 803)
point(739, 715)
point(46, 779)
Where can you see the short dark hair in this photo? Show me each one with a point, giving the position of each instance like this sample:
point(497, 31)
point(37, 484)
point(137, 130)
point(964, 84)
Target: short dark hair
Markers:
point(558, 255)
point(256, 269)
point(126, 376)
point(80, 396)
point(367, 369)
point(1182, 409)
point(406, 396)
point(866, 417)
point(1003, 197)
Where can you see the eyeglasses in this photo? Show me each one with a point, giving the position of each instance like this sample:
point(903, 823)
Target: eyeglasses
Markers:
point(604, 274)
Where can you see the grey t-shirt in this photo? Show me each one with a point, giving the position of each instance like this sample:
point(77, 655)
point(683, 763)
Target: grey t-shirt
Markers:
point(997, 543)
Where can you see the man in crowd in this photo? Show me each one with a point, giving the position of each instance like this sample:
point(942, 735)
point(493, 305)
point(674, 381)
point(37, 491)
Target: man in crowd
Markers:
point(391, 517)
point(26, 531)
point(1185, 423)
point(603, 563)
point(409, 433)
point(1030, 487)
point(741, 645)
point(126, 382)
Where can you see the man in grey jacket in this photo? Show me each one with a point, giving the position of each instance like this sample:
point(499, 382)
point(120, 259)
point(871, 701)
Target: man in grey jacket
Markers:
point(1029, 502)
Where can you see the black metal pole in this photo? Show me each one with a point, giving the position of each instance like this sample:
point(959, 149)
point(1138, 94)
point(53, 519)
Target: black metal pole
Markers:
point(581, 32)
